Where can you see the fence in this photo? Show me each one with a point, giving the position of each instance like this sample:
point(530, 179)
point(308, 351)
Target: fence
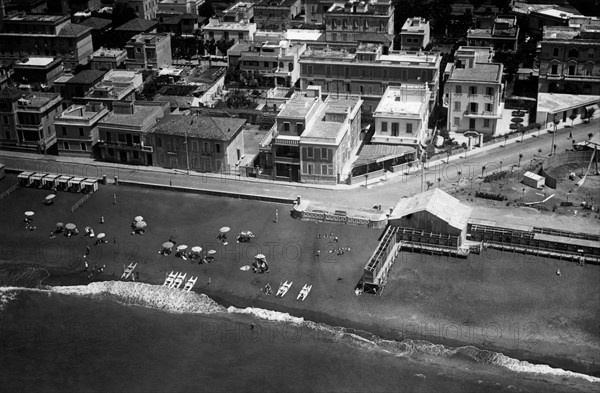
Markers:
point(550, 167)
point(80, 202)
point(9, 191)
point(344, 219)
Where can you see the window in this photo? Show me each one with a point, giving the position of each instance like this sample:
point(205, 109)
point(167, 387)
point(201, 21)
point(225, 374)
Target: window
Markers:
point(554, 69)
point(309, 152)
point(266, 64)
point(457, 105)
point(458, 89)
point(218, 148)
point(299, 128)
point(572, 70)
point(324, 153)
point(472, 90)
point(555, 52)
point(310, 169)
point(286, 127)
point(489, 91)
point(108, 136)
point(385, 74)
point(83, 146)
point(309, 70)
point(474, 107)
point(361, 89)
point(66, 145)
point(205, 147)
point(240, 36)
point(404, 75)
point(348, 88)
point(488, 107)
point(80, 131)
point(409, 128)
point(457, 121)
point(328, 71)
point(384, 126)
point(138, 49)
point(486, 123)
point(590, 54)
point(323, 169)
point(574, 53)
point(394, 129)
point(159, 142)
point(64, 131)
point(121, 138)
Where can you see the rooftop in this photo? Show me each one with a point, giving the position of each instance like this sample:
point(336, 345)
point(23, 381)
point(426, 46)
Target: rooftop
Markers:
point(275, 3)
point(481, 72)
point(303, 35)
point(104, 52)
point(36, 17)
point(407, 99)
point(415, 25)
point(149, 38)
point(39, 99)
point(96, 23)
point(378, 153)
point(216, 128)
point(86, 77)
point(138, 25)
point(36, 61)
point(80, 112)
point(224, 25)
point(557, 12)
point(554, 102)
point(436, 202)
point(73, 30)
point(140, 114)
point(298, 106)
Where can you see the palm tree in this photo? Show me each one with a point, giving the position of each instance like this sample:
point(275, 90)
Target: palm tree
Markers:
point(429, 184)
point(519, 164)
point(573, 116)
point(459, 173)
point(439, 180)
point(538, 127)
point(590, 135)
point(505, 139)
point(554, 149)
point(482, 170)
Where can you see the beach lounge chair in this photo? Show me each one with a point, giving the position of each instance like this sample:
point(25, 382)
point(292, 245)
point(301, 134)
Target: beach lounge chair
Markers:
point(178, 281)
point(190, 284)
point(284, 288)
point(128, 271)
point(169, 279)
point(304, 292)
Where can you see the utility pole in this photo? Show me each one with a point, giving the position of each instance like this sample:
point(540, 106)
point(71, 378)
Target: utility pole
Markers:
point(555, 122)
point(187, 153)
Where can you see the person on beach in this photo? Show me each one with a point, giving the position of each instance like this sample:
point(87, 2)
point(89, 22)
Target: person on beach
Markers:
point(276, 215)
point(87, 250)
point(558, 272)
point(114, 199)
point(209, 281)
point(101, 219)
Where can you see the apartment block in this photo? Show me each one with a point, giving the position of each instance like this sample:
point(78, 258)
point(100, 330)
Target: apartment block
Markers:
point(344, 20)
point(27, 120)
point(108, 59)
point(502, 35)
point(145, 9)
point(473, 93)
point(415, 34)
point(37, 71)
point(149, 51)
point(77, 129)
point(45, 35)
point(218, 29)
point(276, 14)
point(367, 72)
point(570, 60)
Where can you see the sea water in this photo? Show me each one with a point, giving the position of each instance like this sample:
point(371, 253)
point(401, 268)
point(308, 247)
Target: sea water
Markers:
point(135, 337)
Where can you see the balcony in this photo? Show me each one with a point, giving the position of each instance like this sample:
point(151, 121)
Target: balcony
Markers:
point(286, 160)
point(482, 115)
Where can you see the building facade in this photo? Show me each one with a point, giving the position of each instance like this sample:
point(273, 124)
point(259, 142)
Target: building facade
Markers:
point(145, 9)
point(198, 143)
point(402, 116)
point(344, 20)
point(218, 29)
point(149, 51)
point(503, 35)
point(367, 72)
point(45, 35)
point(570, 60)
point(415, 34)
point(108, 59)
point(27, 120)
point(123, 134)
point(77, 129)
point(276, 14)
point(473, 94)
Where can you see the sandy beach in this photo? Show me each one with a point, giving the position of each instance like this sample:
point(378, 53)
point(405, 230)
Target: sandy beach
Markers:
point(511, 303)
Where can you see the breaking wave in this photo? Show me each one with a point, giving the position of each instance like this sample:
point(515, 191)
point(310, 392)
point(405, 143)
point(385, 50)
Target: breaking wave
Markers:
point(158, 297)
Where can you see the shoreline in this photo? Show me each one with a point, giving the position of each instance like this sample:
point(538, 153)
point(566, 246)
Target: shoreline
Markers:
point(63, 277)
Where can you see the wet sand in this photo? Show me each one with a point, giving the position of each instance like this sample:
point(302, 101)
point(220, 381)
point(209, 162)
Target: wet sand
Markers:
point(510, 303)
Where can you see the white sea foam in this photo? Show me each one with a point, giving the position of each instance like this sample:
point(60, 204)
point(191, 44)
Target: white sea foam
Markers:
point(268, 315)
point(146, 295)
point(523, 366)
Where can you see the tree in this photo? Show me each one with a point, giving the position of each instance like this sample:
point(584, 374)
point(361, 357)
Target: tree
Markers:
point(522, 131)
point(572, 116)
point(505, 139)
point(482, 170)
point(122, 13)
point(439, 180)
point(206, 10)
point(449, 151)
point(429, 184)
point(519, 164)
point(238, 99)
point(458, 173)
point(224, 45)
point(590, 135)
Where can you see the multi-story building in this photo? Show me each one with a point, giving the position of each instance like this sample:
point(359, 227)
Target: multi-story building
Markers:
point(123, 133)
point(37, 71)
point(276, 14)
point(108, 59)
point(570, 60)
point(131, 28)
point(151, 51)
point(344, 20)
point(502, 35)
point(277, 61)
point(198, 143)
point(77, 129)
point(242, 10)
point(108, 91)
point(367, 72)
point(313, 139)
point(27, 120)
point(548, 15)
point(100, 30)
point(218, 29)
point(402, 115)
point(71, 86)
point(180, 6)
point(473, 93)
point(45, 35)
point(415, 34)
point(145, 9)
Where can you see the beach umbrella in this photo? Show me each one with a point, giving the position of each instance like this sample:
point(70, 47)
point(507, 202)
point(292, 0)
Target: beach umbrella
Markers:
point(167, 245)
point(29, 213)
point(140, 224)
point(139, 218)
point(196, 249)
point(101, 235)
point(70, 226)
point(59, 225)
point(211, 252)
point(182, 247)
point(50, 197)
point(224, 229)
point(260, 256)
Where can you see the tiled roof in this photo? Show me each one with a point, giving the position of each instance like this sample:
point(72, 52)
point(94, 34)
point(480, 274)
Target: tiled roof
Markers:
point(377, 153)
point(74, 30)
point(491, 72)
point(216, 128)
point(86, 77)
point(96, 23)
point(138, 25)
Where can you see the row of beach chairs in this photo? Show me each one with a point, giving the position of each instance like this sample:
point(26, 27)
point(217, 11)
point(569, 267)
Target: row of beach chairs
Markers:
point(176, 279)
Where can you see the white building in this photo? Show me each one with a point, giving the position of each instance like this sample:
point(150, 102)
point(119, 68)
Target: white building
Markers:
point(414, 34)
point(238, 31)
point(473, 94)
point(402, 115)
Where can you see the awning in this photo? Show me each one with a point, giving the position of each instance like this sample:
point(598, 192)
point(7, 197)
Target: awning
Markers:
point(380, 153)
point(592, 108)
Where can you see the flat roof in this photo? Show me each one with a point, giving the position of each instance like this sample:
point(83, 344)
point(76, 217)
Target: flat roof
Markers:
point(554, 102)
point(86, 77)
point(403, 100)
point(481, 72)
point(217, 128)
point(36, 17)
point(36, 61)
point(138, 25)
point(104, 52)
point(303, 35)
point(140, 114)
point(414, 25)
point(379, 153)
point(297, 106)
point(224, 25)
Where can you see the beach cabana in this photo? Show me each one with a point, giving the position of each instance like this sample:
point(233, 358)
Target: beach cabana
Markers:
point(50, 181)
point(89, 185)
point(24, 178)
point(63, 182)
point(74, 184)
point(35, 180)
